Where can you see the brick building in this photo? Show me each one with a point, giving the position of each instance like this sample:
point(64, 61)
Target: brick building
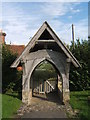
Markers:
point(14, 48)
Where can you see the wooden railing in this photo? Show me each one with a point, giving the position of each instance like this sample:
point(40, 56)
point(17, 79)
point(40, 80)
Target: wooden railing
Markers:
point(45, 86)
point(49, 87)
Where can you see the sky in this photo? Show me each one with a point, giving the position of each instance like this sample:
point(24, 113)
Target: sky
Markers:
point(89, 19)
point(21, 20)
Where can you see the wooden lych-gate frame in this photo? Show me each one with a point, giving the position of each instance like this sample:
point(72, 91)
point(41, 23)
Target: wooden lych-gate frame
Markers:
point(45, 45)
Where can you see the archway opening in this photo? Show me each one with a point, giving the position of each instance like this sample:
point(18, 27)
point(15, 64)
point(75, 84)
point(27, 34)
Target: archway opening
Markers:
point(46, 81)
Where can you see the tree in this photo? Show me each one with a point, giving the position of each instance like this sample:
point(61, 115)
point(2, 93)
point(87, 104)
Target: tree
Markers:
point(10, 77)
point(80, 78)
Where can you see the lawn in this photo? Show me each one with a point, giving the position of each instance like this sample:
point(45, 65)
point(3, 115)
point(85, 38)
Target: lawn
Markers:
point(10, 105)
point(79, 102)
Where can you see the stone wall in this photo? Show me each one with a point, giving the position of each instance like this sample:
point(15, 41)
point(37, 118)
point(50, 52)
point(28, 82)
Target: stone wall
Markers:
point(27, 96)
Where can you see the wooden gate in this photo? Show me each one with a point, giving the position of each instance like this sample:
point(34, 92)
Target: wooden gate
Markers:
point(44, 86)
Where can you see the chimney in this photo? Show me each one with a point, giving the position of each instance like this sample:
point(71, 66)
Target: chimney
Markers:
point(2, 37)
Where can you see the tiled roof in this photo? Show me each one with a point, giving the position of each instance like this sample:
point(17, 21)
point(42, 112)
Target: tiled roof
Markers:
point(16, 48)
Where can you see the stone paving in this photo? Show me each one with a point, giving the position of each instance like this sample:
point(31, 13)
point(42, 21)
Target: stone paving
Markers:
point(43, 106)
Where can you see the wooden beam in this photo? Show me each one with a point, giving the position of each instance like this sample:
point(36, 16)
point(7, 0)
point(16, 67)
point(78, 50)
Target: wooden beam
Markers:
point(45, 40)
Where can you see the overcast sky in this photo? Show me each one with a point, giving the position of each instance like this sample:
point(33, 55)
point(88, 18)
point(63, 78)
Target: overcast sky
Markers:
point(21, 20)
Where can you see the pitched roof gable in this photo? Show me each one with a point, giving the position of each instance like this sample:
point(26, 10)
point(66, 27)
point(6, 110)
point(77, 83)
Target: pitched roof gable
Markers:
point(32, 43)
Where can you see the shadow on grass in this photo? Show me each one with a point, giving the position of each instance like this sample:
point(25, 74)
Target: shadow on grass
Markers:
point(15, 95)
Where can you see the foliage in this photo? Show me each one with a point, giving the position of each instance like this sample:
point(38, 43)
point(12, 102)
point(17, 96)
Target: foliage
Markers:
point(10, 77)
point(79, 102)
point(80, 78)
point(46, 66)
point(45, 70)
point(10, 105)
point(44, 74)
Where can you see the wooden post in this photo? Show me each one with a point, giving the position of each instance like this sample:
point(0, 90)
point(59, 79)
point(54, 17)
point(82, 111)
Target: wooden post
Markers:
point(73, 35)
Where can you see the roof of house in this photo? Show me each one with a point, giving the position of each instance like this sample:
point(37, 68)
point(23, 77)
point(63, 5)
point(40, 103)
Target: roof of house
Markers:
point(18, 49)
point(36, 37)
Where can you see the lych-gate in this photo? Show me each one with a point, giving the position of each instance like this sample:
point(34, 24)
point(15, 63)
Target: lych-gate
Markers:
point(45, 45)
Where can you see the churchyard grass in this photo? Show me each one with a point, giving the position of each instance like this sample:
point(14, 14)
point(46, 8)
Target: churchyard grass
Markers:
point(80, 104)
